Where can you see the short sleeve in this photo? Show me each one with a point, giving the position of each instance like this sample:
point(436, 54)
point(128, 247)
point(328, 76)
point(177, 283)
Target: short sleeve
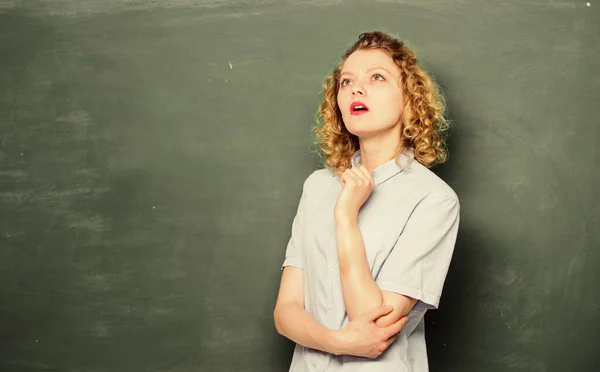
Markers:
point(418, 263)
point(293, 253)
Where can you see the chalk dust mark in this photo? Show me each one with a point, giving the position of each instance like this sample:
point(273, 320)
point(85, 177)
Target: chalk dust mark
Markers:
point(59, 293)
point(13, 173)
point(100, 282)
point(90, 173)
point(100, 330)
point(80, 122)
point(2, 146)
point(18, 89)
point(157, 312)
point(547, 203)
point(91, 223)
point(77, 117)
point(61, 194)
point(58, 61)
point(29, 364)
point(14, 197)
point(13, 234)
point(72, 8)
point(112, 258)
point(9, 4)
point(574, 269)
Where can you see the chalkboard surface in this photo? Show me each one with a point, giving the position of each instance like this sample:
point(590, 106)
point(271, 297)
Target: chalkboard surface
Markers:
point(152, 156)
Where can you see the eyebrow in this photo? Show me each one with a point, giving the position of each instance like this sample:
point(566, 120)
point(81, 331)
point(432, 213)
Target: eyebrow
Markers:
point(369, 70)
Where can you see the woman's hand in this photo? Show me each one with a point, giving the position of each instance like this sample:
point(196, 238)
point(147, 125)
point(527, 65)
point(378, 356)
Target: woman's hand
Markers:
point(357, 185)
point(361, 337)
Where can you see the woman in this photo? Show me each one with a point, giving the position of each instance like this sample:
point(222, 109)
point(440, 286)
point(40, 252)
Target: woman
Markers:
point(375, 230)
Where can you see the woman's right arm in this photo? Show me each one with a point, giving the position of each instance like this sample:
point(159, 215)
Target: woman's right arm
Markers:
point(361, 337)
point(293, 321)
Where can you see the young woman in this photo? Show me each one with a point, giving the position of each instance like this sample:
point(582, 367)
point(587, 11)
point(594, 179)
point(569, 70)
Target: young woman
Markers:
point(375, 230)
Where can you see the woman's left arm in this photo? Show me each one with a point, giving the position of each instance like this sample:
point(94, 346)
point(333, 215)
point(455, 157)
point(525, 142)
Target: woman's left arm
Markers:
point(359, 290)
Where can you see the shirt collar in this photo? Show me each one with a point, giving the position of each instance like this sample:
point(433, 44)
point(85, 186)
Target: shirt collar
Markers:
point(388, 169)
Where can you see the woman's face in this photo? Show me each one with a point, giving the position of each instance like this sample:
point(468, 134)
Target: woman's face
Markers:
point(370, 93)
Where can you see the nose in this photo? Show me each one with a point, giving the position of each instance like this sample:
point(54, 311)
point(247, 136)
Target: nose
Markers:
point(357, 90)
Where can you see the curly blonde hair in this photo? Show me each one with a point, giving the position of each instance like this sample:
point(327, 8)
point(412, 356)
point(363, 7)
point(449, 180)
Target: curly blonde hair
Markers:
point(423, 122)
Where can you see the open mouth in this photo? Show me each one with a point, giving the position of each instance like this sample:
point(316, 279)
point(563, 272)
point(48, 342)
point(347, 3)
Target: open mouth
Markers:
point(358, 108)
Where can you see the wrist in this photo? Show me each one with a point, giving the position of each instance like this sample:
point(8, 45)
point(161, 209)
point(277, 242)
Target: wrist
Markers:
point(344, 210)
point(334, 342)
point(346, 219)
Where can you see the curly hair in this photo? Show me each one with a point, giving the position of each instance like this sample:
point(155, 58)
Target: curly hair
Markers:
point(423, 122)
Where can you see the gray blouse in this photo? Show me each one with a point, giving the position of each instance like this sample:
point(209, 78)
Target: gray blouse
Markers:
point(409, 226)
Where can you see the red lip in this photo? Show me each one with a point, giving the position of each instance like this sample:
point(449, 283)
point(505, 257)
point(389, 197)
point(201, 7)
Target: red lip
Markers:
point(353, 110)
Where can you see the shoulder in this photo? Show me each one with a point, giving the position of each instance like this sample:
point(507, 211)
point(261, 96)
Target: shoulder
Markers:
point(315, 185)
point(428, 184)
point(319, 179)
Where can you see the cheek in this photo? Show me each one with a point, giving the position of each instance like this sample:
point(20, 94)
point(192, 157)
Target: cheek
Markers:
point(341, 99)
point(394, 103)
point(342, 102)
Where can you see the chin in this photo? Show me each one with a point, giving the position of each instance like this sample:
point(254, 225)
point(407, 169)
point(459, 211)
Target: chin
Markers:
point(367, 131)
point(356, 130)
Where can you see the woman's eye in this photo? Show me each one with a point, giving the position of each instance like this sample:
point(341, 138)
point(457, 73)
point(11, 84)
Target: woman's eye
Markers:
point(345, 82)
point(378, 77)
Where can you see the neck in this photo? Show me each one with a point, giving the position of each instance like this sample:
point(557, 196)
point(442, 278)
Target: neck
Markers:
point(379, 149)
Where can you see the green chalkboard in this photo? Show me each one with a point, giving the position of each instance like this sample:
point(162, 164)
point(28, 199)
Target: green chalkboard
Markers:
point(152, 156)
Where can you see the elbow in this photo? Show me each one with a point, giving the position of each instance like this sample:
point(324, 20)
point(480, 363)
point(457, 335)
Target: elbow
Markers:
point(277, 319)
point(355, 312)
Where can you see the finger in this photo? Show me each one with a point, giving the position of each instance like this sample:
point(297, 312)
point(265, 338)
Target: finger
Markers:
point(377, 312)
point(395, 328)
point(350, 177)
point(367, 173)
point(365, 169)
point(343, 178)
point(347, 178)
point(360, 178)
point(403, 321)
point(390, 341)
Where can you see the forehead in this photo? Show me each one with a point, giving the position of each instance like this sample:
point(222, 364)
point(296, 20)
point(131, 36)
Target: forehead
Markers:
point(366, 59)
